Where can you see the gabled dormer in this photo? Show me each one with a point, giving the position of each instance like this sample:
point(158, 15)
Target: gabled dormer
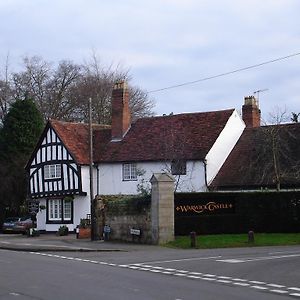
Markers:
point(53, 169)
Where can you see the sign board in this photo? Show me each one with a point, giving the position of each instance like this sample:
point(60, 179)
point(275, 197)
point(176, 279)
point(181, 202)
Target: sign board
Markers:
point(135, 231)
point(194, 207)
point(33, 206)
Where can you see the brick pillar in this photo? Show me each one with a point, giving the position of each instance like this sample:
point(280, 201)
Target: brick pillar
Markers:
point(162, 208)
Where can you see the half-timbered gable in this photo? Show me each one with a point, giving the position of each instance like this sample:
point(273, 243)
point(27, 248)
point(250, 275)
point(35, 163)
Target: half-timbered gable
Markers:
point(53, 170)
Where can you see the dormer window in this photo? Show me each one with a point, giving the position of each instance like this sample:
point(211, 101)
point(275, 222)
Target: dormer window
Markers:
point(52, 171)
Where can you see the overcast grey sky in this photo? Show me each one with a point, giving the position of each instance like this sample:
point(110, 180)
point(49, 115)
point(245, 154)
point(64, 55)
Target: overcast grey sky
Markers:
point(169, 42)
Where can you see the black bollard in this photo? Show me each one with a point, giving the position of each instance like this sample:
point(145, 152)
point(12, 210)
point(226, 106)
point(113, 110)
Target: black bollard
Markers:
point(250, 237)
point(193, 239)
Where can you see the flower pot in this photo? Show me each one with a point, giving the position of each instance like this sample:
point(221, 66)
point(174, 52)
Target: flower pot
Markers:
point(84, 233)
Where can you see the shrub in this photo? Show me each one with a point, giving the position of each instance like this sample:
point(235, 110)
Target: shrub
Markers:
point(63, 230)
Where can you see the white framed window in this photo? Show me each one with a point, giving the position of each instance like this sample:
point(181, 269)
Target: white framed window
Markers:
point(54, 209)
point(129, 171)
point(59, 210)
point(52, 171)
point(67, 210)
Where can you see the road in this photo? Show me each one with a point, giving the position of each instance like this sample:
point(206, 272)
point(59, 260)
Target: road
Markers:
point(249, 273)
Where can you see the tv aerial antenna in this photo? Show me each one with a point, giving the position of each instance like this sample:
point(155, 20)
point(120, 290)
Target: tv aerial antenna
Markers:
point(257, 93)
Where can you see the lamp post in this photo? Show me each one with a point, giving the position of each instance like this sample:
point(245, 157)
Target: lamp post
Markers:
point(92, 200)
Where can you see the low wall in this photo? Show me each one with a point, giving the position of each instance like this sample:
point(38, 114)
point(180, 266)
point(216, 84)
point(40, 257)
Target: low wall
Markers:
point(124, 213)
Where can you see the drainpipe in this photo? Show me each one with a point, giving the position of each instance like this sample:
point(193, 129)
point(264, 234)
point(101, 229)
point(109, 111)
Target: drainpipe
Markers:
point(98, 177)
point(205, 173)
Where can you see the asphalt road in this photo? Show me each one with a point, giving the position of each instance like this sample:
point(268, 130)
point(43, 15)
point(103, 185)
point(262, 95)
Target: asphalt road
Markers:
point(155, 273)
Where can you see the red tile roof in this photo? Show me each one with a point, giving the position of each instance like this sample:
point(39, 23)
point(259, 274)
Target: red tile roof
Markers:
point(250, 164)
point(75, 137)
point(184, 136)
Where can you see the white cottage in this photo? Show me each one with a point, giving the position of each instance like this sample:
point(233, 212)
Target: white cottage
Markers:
point(191, 146)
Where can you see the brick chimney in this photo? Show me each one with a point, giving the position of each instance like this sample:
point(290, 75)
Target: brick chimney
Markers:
point(251, 112)
point(121, 117)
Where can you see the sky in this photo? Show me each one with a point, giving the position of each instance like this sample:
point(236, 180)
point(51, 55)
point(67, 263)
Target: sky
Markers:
point(169, 42)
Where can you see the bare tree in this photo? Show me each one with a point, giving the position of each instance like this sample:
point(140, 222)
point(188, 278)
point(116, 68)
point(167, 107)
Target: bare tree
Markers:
point(63, 92)
point(140, 104)
point(275, 158)
point(47, 86)
point(6, 94)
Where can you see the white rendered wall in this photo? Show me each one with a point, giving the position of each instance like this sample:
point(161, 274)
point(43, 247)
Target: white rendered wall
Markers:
point(223, 145)
point(41, 216)
point(111, 182)
point(81, 206)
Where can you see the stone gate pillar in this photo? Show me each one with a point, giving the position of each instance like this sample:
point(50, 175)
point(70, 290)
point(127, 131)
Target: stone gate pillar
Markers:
point(162, 208)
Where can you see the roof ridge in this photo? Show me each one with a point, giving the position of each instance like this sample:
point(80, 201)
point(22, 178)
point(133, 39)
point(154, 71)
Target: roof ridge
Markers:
point(187, 114)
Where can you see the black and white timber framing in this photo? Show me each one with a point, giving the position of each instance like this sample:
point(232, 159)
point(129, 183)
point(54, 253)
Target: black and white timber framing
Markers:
point(52, 151)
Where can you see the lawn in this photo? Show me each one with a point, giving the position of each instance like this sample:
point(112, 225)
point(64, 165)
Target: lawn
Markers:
point(236, 240)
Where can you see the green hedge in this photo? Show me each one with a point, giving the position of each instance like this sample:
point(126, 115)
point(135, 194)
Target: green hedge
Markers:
point(257, 211)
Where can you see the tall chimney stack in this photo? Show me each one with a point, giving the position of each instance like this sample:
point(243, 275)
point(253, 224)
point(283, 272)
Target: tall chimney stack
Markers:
point(121, 117)
point(251, 112)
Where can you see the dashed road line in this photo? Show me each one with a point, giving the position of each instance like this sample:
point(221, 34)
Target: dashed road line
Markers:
point(183, 259)
point(244, 260)
point(238, 282)
point(276, 285)
point(279, 291)
point(295, 294)
point(294, 288)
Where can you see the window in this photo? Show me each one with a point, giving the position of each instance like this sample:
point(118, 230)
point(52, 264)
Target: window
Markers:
point(59, 211)
point(129, 172)
point(52, 171)
point(178, 167)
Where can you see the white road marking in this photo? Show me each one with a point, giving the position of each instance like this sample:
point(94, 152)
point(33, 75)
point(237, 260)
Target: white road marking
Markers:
point(233, 260)
point(257, 282)
point(239, 279)
point(224, 281)
point(279, 291)
point(224, 277)
point(195, 273)
point(209, 275)
point(208, 279)
point(275, 285)
point(295, 295)
point(178, 260)
point(182, 271)
point(259, 285)
point(241, 283)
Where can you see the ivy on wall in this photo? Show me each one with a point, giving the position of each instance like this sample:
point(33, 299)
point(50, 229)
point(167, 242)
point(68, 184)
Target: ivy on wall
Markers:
point(125, 205)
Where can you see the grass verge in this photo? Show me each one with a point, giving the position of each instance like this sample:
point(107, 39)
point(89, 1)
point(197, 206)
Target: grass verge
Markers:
point(236, 240)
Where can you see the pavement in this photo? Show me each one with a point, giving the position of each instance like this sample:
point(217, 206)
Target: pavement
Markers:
point(52, 243)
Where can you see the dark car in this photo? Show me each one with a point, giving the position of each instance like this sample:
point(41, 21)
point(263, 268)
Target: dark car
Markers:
point(9, 224)
point(22, 225)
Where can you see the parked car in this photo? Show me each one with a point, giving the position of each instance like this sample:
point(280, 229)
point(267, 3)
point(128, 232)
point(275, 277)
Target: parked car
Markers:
point(22, 225)
point(9, 224)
